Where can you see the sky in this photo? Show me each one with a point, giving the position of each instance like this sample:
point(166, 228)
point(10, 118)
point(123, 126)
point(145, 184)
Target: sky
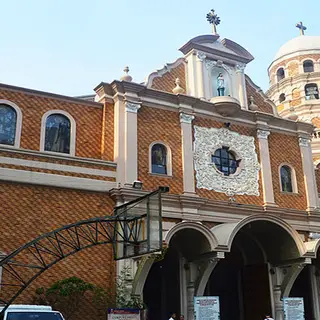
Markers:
point(70, 46)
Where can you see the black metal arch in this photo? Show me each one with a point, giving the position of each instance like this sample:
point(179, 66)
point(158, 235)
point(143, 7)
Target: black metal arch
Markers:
point(28, 262)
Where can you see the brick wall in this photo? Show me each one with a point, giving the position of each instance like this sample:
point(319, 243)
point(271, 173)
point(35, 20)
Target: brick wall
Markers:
point(293, 69)
point(88, 120)
point(107, 143)
point(296, 98)
point(29, 211)
point(317, 172)
point(159, 125)
point(167, 81)
point(246, 199)
point(285, 149)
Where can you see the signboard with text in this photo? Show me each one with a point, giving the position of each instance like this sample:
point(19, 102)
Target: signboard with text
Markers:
point(206, 308)
point(123, 314)
point(293, 308)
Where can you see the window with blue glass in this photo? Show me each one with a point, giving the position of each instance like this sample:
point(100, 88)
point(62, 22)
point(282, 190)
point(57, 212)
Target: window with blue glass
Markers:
point(225, 161)
point(57, 134)
point(286, 179)
point(159, 159)
point(8, 124)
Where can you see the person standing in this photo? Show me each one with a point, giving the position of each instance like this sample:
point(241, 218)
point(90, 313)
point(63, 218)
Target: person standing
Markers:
point(173, 317)
point(268, 318)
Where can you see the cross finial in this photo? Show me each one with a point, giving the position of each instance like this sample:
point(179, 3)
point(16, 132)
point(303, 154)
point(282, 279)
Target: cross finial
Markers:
point(301, 27)
point(213, 19)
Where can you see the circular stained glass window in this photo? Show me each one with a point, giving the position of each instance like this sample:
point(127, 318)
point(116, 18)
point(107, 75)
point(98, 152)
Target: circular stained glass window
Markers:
point(225, 161)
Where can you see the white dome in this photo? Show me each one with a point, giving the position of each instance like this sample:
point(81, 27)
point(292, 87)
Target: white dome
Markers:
point(301, 43)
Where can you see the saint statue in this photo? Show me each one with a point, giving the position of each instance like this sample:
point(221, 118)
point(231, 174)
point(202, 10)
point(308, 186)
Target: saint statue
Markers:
point(220, 85)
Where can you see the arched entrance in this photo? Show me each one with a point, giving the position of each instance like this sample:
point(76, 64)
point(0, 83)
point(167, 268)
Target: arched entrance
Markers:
point(246, 278)
point(170, 284)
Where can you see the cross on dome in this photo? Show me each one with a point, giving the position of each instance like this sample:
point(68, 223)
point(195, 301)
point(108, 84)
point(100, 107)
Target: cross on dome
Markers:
point(213, 19)
point(301, 27)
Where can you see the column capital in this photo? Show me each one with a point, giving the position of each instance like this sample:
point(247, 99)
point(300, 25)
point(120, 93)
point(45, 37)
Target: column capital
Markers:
point(304, 142)
point(262, 134)
point(186, 118)
point(240, 68)
point(201, 56)
point(132, 107)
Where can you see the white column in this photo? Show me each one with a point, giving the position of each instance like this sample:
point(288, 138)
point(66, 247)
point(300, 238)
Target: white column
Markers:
point(131, 142)
point(187, 153)
point(242, 85)
point(200, 75)
point(267, 187)
point(119, 139)
point(309, 175)
point(314, 292)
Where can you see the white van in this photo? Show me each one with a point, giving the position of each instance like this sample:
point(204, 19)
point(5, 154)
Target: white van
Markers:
point(30, 312)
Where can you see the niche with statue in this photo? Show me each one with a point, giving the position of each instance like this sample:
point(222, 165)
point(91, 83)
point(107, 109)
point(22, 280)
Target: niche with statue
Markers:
point(221, 83)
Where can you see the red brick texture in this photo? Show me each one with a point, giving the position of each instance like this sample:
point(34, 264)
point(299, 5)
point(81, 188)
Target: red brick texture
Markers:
point(159, 125)
point(88, 120)
point(285, 149)
point(317, 172)
point(210, 194)
point(259, 98)
point(107, 143)
point(167, 81)
point(29, 211)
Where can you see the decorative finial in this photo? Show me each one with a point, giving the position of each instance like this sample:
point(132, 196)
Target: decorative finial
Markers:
point(213, 19)
point(177, 89)
point(301, 27)
point(252, 106)
point(293, 116)
point(126, 76)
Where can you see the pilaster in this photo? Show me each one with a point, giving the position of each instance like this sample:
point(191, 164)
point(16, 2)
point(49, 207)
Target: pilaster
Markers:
point(266, 175)
point(309, 175)
point(242, 86)
point(131, 142)
point(200, 74)
point(187, 153)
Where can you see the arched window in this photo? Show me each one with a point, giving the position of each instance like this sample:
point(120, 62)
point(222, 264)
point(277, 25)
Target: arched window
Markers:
point(57, 133)
point(282, 97)
point(286, 179)
point(159, 159)
point(308, 66)
point(8, 125)
point(311, 91)
point(280, 74)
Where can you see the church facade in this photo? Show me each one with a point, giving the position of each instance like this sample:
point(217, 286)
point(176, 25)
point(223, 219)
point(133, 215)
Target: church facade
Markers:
point(243, 207)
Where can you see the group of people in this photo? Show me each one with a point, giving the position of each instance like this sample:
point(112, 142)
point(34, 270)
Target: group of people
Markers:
point(174, 317)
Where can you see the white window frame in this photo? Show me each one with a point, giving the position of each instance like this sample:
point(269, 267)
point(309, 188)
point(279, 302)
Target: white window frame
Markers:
point(17, 137)
point(169, 159)
point(293, 178)
point(72, 132)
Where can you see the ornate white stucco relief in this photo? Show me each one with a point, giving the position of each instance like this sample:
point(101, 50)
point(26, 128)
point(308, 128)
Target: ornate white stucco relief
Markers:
point(245, 180)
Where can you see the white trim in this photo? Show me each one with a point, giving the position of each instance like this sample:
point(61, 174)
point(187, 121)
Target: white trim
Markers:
point(293, 178)
point(17, 137)
point(72, 131)
point(60, 156)
point(55, 180)
point(57, 167)
point(169, 158)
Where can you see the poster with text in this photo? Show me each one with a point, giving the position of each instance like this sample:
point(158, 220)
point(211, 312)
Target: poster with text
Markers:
point(206, 308)
point(123, 314)
point(293, 308)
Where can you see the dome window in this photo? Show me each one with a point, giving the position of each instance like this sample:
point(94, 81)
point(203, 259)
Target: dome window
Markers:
point(282, 97)
point(280, 74)
point(308, 66)
point(311, 91)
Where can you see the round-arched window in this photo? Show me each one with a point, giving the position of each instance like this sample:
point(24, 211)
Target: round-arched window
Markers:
point(286, 179)
point(225, 161)
point(57, 137)
point(8, 123)
point(159, 159)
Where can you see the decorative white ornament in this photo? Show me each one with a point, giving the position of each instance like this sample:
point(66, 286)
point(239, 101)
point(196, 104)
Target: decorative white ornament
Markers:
point(262, 134)
point(201, 56)
point(240, 68)
point(211, 64)
point(186, 118)
point(132, 107)
point(304, 142)
point(245, 180)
